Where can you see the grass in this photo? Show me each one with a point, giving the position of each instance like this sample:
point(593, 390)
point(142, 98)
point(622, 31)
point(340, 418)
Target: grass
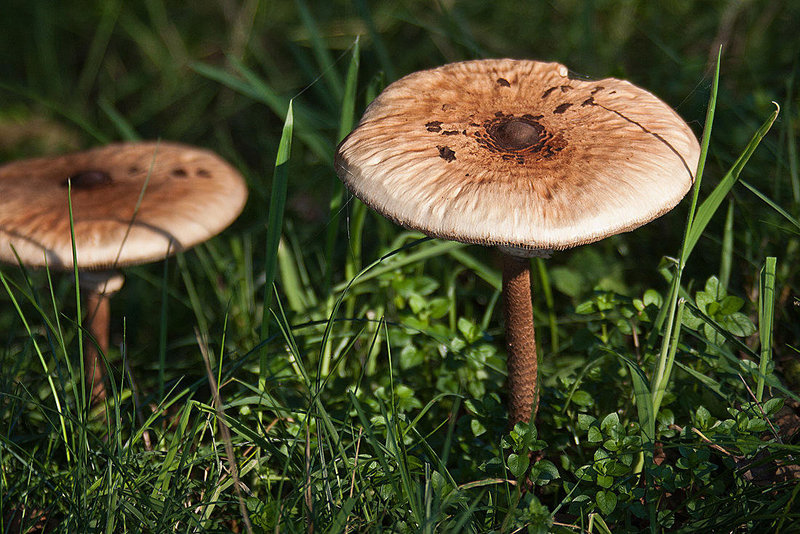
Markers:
point(349, 374)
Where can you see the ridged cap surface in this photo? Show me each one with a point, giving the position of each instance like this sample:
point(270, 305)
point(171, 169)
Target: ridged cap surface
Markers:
point(518, 153)
point(187, 196)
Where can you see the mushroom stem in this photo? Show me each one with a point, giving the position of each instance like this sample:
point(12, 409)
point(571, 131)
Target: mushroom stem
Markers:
point(523, 388)
point(98, 322)
point(98, 287)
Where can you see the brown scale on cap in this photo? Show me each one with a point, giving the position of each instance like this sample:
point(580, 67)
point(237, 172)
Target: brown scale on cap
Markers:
point(446, 154)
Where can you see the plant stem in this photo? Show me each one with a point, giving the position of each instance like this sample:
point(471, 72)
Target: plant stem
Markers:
point(523, 388)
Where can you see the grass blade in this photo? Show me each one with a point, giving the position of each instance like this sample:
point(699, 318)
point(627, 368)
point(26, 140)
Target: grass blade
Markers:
point(701, 164)
point(766, 312)
point(665, 372)
point(375, 38)
point(726, 257)
point(347, 118)
point(277, 203)
point(42, 360)
point(541, 268)
point(675, 287)
point(290, 279)
point(791, 140)
point(390, 263)
point(94, 58)
point(76, 278)
point(785, 214)
point(710, 204)
point(644, 401)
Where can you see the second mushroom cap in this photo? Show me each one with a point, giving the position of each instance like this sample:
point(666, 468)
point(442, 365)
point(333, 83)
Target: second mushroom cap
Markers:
point(132, 203)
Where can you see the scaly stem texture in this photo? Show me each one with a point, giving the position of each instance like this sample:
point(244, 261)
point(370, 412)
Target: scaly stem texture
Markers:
point(523, 388)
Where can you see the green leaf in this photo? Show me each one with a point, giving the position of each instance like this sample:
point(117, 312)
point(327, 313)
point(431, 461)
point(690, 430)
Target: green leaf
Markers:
point(772, 406)
point(469, 330)
point(738, 324)
point(756, 425)
point(438, 307)
point(653, 297)
point(582, 398)
point(730, 304)
point(690, 320)
point(599, 456)
point(518, 464)
point(477, 427)
point(605, 481)
point(417, 303)
point(410, 357)
point(703, 299)
point(594, 435)
point(624, 326)
point(714, 288)
point(712, 335)
point(544, 472)
point(585, 421)
point(606, 501)
point(702, 418)
point(584, 473)
point(567, 280)
point(610, 423)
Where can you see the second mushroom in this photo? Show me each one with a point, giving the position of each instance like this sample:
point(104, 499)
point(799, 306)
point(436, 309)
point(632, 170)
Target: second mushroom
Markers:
point(523, 156)
point(131, 203)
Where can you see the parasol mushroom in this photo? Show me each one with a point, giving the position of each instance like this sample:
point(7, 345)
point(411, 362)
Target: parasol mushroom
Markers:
point(132, 203)
point(523, 156)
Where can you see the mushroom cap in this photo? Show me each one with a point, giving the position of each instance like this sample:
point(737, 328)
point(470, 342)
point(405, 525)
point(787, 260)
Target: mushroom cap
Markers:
point(519, 154)
point(184, 195)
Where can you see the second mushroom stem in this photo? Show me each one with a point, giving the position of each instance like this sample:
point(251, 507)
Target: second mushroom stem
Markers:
point(98, 319)
point(97, 287)
point(523, 388)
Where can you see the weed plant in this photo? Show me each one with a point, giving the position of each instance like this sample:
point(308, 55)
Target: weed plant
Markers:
point(316, 368)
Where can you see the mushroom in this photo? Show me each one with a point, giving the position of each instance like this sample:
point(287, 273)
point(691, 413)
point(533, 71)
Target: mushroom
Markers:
point(524, 156)
point(132, 203)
